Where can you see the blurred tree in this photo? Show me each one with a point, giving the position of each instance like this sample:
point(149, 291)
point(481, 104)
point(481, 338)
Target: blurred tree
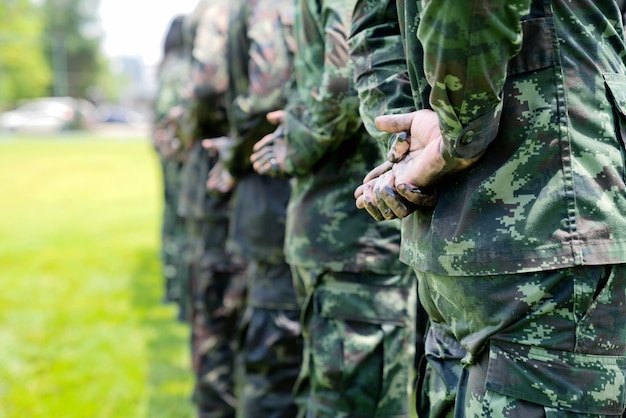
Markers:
point(73, 37)
point(24, 71)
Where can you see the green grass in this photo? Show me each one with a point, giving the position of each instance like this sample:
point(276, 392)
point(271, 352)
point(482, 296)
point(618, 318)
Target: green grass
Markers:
point(82, 331)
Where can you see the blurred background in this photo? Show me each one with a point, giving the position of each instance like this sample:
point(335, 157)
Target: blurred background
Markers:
point(84, 329)
point(99, 56)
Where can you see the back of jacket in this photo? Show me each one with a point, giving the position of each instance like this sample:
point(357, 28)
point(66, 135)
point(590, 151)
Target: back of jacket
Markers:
point(540, 87)
point(329, 152)
point(260, 62)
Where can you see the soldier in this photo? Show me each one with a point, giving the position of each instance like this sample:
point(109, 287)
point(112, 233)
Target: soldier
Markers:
point(522, 256)
point(214, 273)
point(260, 55)
point(172, 75)
point(382, 81)
point(358, 300)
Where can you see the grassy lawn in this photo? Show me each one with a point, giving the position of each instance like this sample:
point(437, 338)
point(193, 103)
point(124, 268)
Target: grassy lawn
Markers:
point(83, 333)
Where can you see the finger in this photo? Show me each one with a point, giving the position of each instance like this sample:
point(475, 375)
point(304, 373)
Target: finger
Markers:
point(262, 156)
point(382, 188)
point(399, 147)
point(372, 209)
point(358, 192)
point(208, 144)
point(395, 123)
point(378, 171)
point(426, 197)
point(382, 195)
point(263, 142)
point(397, 205)
point(276, 117)
point(367, 201)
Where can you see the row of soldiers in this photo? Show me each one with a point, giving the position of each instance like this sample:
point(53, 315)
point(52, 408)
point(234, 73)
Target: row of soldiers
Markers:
point(297, 301)
point(494, 130)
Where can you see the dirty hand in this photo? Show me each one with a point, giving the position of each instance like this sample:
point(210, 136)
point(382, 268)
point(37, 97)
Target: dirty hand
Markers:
point(269, 154)
point(220, 181)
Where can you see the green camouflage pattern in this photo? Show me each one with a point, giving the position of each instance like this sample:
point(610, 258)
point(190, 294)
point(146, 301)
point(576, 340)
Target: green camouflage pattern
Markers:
point(547, 341)
point(210, 73)
point(172, 78)
point(553, 338)
point(358, 332)
point(269, 353)
point(214, 291)
point(270, 348)
point(382, 81)
point(380, 72)
point(328, 151)
point(560, 117)
point(260, 66)
point(357, 298)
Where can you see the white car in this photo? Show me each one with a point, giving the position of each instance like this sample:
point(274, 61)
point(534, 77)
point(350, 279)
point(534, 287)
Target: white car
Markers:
point(49, 115)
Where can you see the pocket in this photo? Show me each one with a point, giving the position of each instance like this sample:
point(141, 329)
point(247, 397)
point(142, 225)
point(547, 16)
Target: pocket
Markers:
point(364, 303)
point(538, 47)
point(581, 383)
point(616, 91)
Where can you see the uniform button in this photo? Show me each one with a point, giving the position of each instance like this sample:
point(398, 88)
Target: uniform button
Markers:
point(467, 138)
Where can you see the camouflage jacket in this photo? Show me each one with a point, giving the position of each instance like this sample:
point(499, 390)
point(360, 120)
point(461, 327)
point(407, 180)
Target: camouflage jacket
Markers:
point(260, 57)
point(207, 28)
point(329, 150)
point(540, 86)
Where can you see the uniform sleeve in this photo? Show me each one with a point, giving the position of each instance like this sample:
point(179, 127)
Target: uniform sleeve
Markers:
point(320, 119)
point(466, 52)
point(269, 68)
point(380, 72)
point(270, 59)
point(210, 71)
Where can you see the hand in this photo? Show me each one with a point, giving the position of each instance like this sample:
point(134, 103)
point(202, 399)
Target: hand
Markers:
point(276, 117)
point(269, 154)
point(218, 147)
point(220, 181)
point(391, 190)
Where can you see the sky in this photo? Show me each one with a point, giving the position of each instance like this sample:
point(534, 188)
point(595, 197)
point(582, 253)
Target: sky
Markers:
point(137, 27)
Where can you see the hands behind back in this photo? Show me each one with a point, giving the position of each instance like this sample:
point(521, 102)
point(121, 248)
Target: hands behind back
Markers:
point(416, 163)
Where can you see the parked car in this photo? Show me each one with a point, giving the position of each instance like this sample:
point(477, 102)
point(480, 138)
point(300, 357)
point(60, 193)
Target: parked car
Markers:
point(49, 115)
point(119, 115)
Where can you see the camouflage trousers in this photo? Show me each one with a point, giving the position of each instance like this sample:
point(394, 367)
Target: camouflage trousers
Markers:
point(173, 232)
point(359, 344)
point(544, 344)
point(270, 346)
point(214, 299)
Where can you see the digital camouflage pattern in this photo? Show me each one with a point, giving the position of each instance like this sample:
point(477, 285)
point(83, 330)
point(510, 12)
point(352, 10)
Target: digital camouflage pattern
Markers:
point(536, 342)
point(215, 276)
point(543, 113)
point(210, 76)
point(358, 299)
point(530, 80)
point(383, 84)
point(260, 58)
point(172, 78)
point(260, 66)
point(329, 150)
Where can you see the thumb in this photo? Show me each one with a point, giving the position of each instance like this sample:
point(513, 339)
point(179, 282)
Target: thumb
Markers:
point(395, 123)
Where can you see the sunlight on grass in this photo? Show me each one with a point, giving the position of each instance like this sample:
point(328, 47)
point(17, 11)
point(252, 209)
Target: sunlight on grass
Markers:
point(82, 330)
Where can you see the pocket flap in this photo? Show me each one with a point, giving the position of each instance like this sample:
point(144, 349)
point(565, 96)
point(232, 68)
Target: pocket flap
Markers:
point(583, 383)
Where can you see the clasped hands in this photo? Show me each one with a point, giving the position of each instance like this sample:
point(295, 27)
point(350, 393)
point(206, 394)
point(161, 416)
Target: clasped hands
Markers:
point(269, 154)
point(416, 162)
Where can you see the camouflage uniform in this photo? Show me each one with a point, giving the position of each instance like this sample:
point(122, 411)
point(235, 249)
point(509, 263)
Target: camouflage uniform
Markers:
point(260, 65)
point(214, 272)
point(382, 81)
point(358, 300)
point(172, 76)
point(521, 260)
